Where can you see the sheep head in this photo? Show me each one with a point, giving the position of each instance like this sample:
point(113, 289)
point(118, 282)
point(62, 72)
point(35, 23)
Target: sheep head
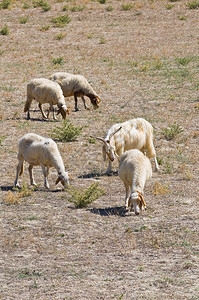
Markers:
point(136, 201)
point(95, 102)
point(109, 149)
point(63, 178)
point(63, 110)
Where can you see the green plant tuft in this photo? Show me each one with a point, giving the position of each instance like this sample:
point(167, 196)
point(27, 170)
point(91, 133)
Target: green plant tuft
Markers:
point(65, 8)
point(102, 1)
point(61, 21)
point(183, 60)
point(109, 8)
point(168, 168)
point(182, 18)
point(127, 6)
point(26, 5)
point(58, 61)
point(5, 4)
point(23, 20)
point(44, 28)
point(1, 139)
point(169, 6)
point(172, 131)
point(60, 36)
point(66, 132)
point(43, 4)
point(193, 5)
point(77, 8)
point(83, 198)
point(24, 190)
point(5, 30)
point(91, 140)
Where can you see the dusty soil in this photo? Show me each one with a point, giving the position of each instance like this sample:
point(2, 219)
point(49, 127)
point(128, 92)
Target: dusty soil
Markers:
point(143, 62)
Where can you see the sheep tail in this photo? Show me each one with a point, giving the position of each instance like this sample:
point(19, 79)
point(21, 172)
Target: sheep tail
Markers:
point(150, 150)
point(27, 104)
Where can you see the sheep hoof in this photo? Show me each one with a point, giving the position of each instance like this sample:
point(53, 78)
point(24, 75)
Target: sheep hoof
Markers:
point(77, 109)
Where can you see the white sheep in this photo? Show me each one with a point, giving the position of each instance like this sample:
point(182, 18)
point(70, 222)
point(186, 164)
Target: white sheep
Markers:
point(132, 134)
point(45, 91)
point(38, 150)
point(77, 86)
point(134, 170)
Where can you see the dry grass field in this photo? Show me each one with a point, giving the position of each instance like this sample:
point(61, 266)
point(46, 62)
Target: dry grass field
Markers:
point(142, 58)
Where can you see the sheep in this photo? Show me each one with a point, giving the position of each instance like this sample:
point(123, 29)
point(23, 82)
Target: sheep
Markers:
point(132, 134)
point(77, 86)
point(45, 91)
point(38, 150)
point(134, 170)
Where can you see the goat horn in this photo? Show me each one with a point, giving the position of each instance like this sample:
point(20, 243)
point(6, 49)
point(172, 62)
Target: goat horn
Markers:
point(99, 138)
point(114, 132)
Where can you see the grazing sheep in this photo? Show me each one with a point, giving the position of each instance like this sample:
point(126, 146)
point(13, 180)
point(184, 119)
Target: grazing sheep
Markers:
point(132, 134)
point(38, 150)
point(134, 170)
point(45, 91)
point(77, 86)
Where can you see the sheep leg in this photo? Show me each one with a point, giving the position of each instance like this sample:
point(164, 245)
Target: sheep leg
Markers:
point(109, 167)
point(27, 106)
point(127, 197)
point(83, 99)
point(28, 115)
point(51, 108)
point(76, 108)
point(45, 172)
point(48, 112)
point(32, 182)
point(156, 164)
point(42, 112)
point(18, 172)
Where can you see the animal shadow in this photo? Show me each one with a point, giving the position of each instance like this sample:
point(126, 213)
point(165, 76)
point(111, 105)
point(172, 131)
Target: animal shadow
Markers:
point(7, 188)
point(96, 174)
point(110, 211)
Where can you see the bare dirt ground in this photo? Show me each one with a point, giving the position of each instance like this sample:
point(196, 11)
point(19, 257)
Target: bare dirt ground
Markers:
point(143, 62)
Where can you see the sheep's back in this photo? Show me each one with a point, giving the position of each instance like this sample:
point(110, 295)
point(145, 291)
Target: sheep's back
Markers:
point(37, 150)
point(134, 166)
point(129, 137)
point(44, 90)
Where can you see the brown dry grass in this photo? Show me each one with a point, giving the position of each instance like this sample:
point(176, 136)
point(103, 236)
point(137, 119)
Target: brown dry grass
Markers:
point(143, 62)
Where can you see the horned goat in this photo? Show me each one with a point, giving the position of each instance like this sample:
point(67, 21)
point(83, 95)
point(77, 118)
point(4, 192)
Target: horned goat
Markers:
point(77, 86)
point(134, 170)
point(38, 150)
point(132, 134)
point(45, 91)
